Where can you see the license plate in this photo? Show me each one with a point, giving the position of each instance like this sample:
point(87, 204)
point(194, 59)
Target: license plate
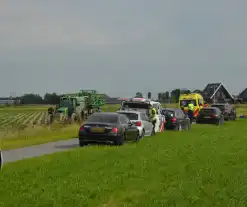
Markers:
point(97, 130)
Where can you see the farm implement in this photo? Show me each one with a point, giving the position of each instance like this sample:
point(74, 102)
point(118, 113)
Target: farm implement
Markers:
point(75, 107)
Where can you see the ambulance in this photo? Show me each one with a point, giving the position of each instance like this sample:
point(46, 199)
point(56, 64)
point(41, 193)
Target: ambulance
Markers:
point(195, 98)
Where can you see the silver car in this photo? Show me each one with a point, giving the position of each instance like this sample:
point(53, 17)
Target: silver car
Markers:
point(140, 120)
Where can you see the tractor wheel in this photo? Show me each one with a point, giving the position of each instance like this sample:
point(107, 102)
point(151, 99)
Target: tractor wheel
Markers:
point(82, 116)
point(73, 118)
point(62, 118)
point(49, 119)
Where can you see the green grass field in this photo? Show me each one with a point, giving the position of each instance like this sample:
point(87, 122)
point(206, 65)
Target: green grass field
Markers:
point(17, 131)
point(202, 167)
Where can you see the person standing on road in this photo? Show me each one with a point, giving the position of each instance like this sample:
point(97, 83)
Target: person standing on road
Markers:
point(153, 118)
point(191, 111)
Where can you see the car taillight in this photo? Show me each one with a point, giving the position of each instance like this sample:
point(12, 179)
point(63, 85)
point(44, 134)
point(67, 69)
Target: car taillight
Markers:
point(138, 123)
point(173, 120)
point(213, 115)
point(82, 128)
point(114, 130)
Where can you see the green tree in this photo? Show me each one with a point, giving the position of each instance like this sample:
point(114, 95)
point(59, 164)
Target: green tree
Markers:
point(175, 95)
point(31, 99)
point(51, 98)
point(197, 91)
point(167, 95)
point(139, 95)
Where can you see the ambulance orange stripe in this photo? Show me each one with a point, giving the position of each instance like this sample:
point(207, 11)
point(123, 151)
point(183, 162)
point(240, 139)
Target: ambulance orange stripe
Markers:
point(195, 113)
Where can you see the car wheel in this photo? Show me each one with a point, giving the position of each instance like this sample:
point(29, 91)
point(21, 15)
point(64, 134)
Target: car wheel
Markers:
point(138, 136)
point(178, 127)
point(82, 143)
point(143, 133)
point(120, 140)
point(218, 122)
point(188, 126)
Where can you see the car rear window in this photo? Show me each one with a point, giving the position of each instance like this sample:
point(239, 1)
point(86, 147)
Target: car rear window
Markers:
point(103, 118)
point(131, 116)
point(221, 107)
point(167, 113)
point(207, 111)
point(134, 105)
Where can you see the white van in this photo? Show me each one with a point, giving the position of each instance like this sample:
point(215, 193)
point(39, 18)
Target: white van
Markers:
point(142, 104)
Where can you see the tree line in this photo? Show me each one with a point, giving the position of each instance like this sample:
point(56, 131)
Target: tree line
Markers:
point(53, 98)
point(167, 96)
point(30, 98)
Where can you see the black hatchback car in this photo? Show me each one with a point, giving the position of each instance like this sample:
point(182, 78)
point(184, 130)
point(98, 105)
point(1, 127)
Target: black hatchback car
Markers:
point(228, 110)
point(107, 127)
point(176, 119)
point(210, 115)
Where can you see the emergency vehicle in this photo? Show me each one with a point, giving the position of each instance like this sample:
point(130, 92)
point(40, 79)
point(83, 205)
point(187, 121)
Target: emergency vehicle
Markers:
point(142, 104)
point(195, 98)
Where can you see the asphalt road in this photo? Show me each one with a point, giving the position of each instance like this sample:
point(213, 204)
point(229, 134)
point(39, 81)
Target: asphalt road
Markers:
point(36, 151)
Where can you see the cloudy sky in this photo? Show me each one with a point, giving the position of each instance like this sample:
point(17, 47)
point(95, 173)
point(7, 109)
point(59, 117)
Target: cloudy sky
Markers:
point(121, 46)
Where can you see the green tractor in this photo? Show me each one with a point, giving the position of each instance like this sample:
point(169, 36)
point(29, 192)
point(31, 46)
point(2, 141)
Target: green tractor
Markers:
point(76, 107)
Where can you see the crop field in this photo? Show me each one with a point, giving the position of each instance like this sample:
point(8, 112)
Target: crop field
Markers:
point(12, 119)
point(18, 118)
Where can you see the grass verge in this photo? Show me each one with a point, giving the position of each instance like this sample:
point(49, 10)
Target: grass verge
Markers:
point(202, 167)
point(39, 135)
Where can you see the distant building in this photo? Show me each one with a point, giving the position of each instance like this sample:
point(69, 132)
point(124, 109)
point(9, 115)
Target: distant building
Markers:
point(217, 92)
point(243, 95)
point(6, 101)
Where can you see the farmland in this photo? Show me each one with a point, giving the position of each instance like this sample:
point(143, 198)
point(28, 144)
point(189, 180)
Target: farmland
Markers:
point(24, 126)
point(205, 166)
point(21, 117)
point(12, 119)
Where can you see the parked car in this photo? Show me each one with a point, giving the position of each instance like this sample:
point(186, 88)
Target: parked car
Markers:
point(176, 119)
point(142, 104)
point(141, 121)
point(210, 115)
point(107, 127)
point(228, 110)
